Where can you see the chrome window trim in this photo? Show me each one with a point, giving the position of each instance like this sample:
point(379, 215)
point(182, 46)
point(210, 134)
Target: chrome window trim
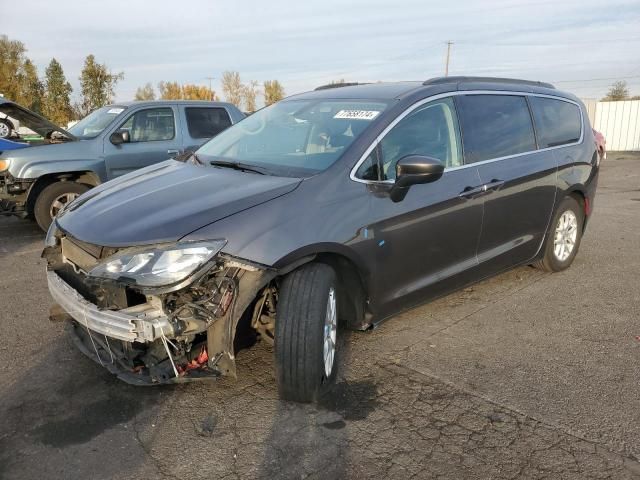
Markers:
point(399, 118)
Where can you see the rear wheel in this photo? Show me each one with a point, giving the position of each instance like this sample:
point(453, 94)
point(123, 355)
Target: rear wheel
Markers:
point(563, 239)
point(54, 198)
point(306, 333)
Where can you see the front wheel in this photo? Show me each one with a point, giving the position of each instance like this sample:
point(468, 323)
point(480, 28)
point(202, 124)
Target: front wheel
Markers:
point(53, 198)
point(306, 333)
point(5, 128)
point(563, 239)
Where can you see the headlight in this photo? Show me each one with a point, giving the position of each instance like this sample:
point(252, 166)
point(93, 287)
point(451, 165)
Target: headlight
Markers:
point(158, 266)
point(4, 165)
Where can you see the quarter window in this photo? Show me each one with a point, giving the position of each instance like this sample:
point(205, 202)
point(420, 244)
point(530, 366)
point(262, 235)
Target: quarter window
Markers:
point(557, 122)
point(206, 122)
point(431, 130)
point(369, 169)
point(494, 126)
point(150, 125)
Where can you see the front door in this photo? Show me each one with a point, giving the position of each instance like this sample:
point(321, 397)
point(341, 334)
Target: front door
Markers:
point(154, 137)
point(425, 243)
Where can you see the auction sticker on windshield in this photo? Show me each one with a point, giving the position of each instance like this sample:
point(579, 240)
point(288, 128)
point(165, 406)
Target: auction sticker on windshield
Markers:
point(357, 114)
point(117, 111)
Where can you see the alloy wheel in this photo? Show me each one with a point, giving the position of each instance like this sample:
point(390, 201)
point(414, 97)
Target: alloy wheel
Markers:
point(565, 235)
point(330, 332)
point(60, 202)
point(4, 130)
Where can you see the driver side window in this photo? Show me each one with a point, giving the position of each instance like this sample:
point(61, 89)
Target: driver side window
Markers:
point(150, 125)
point(431, 130)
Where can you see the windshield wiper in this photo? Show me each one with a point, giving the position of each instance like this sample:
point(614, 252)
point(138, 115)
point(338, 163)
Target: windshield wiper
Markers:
point(239, 166)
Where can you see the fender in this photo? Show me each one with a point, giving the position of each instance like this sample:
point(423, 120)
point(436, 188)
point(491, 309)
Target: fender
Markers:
point(313, 250)
point(37, 169)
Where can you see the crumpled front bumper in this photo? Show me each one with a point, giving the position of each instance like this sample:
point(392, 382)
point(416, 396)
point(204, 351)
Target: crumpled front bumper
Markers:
point(13, 195)
point(142, 323)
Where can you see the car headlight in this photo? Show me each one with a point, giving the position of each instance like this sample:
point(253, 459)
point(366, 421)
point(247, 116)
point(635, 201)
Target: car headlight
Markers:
point(4, 164)
point(158, 266)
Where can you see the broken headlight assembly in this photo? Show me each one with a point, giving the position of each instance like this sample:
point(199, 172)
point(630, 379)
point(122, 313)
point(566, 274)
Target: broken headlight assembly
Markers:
point(160, 265)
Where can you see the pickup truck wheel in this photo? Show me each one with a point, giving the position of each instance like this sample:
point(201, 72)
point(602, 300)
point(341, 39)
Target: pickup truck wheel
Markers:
point(563, 239)
point(5, 129)
point(53, 198)
point(306, 333)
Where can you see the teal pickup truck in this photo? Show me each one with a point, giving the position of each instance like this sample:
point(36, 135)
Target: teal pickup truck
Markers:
point(61, 164)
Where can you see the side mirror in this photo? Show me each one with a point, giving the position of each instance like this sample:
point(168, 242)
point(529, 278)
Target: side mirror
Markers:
point(414, 170)
point(120, 137)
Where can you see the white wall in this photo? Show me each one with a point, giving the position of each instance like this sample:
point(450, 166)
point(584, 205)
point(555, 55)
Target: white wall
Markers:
point(619, 122)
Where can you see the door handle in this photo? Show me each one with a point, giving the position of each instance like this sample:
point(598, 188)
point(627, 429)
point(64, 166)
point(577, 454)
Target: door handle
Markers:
point(473, 192)
point(172, 151)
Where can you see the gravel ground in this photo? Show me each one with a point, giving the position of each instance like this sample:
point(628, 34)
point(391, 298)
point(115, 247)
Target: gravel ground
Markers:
point(525, 375)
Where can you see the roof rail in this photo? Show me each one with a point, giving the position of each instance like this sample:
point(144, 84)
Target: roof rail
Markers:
point(338, 85)
point(440, 80)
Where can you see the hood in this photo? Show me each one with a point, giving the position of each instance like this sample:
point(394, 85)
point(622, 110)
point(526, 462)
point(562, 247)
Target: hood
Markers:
point(165, 202)
point(31, 120)
point(39, 160)
point(6, 145)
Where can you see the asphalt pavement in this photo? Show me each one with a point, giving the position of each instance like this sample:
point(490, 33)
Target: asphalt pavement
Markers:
point(525, 375)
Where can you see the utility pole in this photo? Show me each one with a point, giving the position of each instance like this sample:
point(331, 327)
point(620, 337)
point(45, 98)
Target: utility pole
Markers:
point(210, 90)
point(446, 67)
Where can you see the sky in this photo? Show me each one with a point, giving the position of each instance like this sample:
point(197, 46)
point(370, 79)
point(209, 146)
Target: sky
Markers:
point(581, 46)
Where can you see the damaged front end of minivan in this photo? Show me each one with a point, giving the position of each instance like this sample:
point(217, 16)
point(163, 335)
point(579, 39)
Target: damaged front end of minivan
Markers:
point(158, 314)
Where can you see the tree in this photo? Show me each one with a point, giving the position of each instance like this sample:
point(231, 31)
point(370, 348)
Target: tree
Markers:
point(19, 76)
point(249, 94)
point(97, 84)
point(618, 91)
point(56, 105)
point(197, 92)
point(145, 93)
point(273, 92)
point(12, 60)
point(232, 88)
point(170, 91)
point(32, 88)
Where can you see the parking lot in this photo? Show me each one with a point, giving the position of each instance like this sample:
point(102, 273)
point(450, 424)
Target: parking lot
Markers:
point(526, 375)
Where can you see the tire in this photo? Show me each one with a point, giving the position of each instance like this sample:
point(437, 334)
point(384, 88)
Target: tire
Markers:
point(5, 128)
point(555, 259)
point(44, 205)
point(303, 304)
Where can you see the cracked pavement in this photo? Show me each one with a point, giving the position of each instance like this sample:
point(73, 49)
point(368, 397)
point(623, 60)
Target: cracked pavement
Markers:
point(525, 375)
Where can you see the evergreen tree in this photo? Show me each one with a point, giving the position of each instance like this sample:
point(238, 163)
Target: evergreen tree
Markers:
point(57, 104)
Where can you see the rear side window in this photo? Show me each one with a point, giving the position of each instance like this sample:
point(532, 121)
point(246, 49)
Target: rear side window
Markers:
point(206, 122)
point(494, 126)
point(557, 122)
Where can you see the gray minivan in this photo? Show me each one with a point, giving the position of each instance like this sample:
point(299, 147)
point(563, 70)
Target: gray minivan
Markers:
point(341, 206)
point(111, 141)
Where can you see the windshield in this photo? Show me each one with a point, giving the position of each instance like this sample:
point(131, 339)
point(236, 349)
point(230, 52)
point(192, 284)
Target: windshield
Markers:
point(294, 138)
point(93, 124)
